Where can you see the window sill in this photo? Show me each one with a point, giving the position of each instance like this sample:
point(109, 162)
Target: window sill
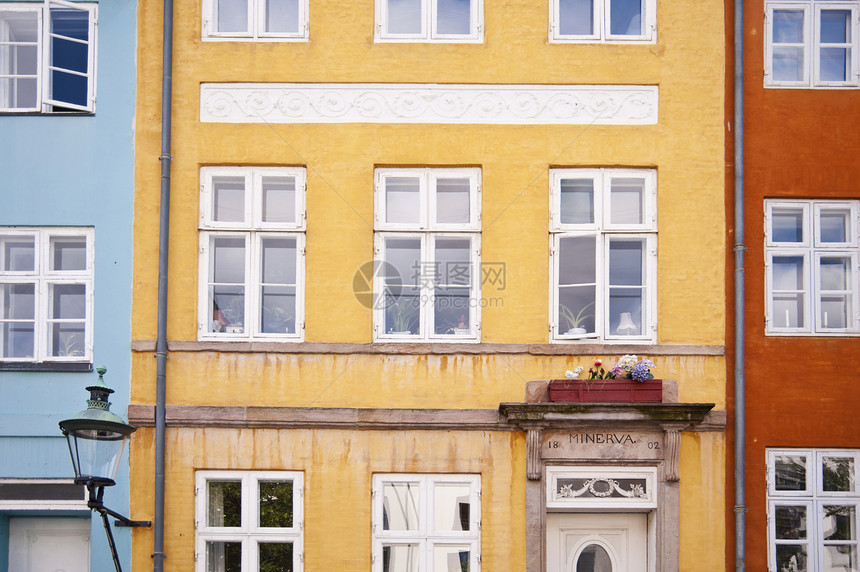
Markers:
point(46, 366)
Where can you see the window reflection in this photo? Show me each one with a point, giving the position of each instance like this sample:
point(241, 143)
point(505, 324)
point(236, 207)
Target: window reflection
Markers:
point(594, 558)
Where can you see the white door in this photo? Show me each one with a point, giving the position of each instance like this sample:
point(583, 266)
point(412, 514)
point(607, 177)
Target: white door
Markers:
point(49, 544)
point(587, 542)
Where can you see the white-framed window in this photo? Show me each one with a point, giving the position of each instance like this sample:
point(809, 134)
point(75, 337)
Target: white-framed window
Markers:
point(812, 43)
point(426, 523)
point(812, 509)
point(47, 57)
point(429, 21)
point(249, 520)
point(602, 21)
point(255, 20)
point(46, 294)
point(811, 278)
point(603, 254)
point(252, 245)
point(427, 248)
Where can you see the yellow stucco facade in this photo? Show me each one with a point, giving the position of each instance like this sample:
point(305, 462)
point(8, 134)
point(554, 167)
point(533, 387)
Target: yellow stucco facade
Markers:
point(338, 365)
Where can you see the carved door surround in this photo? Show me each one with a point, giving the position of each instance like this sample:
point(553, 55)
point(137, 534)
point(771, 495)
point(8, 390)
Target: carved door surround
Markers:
point(566, 435)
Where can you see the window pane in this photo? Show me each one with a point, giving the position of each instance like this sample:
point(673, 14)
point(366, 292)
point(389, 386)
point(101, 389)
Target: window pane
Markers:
point(790, 472)
point(625, 17)
point(18, 254)
point(453, 17)
point(626, 262)
point(228, 199)
point(19, 301)
point(835, 273)
point(788, 27)
point(451, 311)
point(404, 16)
point(837, 474)
point(69, 56)
point(67, 339)
point(788, 64)
point(404, 255)
point(576, 17)
point(18, 340)
point(835, 64)
point(451, 506)
point(453, 263)
point(577, 201)
point(840, 558)
point(576, 310)
point(68, 301)
point(400, 558)
point(625, 311)
point(276, 505)
point(402, 200)
point(402, 311)
point(626, 198)
point(279, 260)
point(788, 311)
point(19, 59)
point(790, 522)
point(68, 253)
point(279, 199)
point(452, 200)
point(223, 556)
point(447, 558)
point(835, 26)
point(275, 557)
point(232, 15)
point(400, 506)
point(838, 522)
point(228, 309)
point(834, 312)
point(788, 273)
point(791, 557)
point(224, 504)
point(594, 558)
point(278, 309)
point(833, 226)
point(282, 16)
point(228, 260)
point(576, 264)
point(786, 225)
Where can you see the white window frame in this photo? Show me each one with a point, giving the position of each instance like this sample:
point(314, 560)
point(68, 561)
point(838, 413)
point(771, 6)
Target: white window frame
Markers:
point(428, 31)
point(426, 537)
point(249, 534)
point(43, 278)
point(252, 230)
point(428, 232)
point(256, 25)
point(811, 249)
point(601, 25)
point(812, 45)
point(604, 232)
point(44, 102)
point(813, 499)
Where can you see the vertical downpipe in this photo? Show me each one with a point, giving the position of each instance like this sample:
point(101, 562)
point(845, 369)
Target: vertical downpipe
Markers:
point(163, 242)
point(739, 250)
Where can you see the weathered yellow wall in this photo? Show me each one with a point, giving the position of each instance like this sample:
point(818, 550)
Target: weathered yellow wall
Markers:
point(702, 524)
point(338, 468)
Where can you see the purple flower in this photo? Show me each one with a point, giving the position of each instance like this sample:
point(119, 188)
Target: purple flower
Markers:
point(640, 370)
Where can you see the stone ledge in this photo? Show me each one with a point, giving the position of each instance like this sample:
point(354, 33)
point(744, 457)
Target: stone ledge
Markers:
point(335, 348)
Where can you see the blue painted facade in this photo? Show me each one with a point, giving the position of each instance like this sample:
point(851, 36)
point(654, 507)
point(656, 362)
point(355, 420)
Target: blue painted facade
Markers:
point(75, 170)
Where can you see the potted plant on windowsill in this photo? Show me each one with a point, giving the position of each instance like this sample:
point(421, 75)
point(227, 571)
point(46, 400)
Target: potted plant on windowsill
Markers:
point(629, 381)
point(575, 320)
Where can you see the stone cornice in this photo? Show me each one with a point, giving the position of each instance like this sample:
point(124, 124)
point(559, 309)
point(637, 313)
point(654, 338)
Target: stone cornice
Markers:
point(431, 349)
point(428, 103)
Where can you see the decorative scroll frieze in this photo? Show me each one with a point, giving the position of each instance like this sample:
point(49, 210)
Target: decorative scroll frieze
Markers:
point(602, 487)
point(428, 103)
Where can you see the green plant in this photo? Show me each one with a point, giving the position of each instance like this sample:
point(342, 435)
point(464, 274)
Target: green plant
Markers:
point(574, 319)
point(402, 315)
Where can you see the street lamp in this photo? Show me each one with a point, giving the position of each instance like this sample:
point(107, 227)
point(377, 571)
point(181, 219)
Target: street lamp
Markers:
point(96, 438)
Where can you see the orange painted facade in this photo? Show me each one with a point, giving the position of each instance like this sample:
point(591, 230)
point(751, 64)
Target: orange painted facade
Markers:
point(801, 390)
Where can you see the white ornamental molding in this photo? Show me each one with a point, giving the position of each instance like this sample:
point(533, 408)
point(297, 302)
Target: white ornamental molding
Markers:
point(428, 103)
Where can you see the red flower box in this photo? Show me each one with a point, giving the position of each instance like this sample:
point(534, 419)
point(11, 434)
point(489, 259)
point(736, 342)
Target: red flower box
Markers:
point(605, 391)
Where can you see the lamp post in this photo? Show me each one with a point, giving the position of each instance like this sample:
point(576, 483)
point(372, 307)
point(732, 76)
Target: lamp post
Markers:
point(96, 439)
